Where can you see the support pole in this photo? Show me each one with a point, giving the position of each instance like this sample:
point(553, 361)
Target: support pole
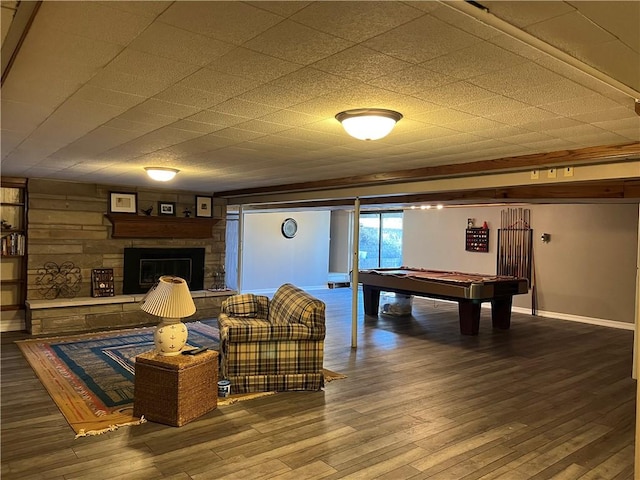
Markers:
point(354, 273)
point(240, 245)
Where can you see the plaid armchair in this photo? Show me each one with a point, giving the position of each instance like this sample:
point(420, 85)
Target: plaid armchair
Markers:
point(272, 345)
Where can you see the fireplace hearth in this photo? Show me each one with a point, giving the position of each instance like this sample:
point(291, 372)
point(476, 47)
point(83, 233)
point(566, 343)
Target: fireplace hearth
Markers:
point(143, 267)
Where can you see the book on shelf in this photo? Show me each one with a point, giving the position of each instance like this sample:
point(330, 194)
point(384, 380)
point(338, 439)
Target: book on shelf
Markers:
point(13, 244)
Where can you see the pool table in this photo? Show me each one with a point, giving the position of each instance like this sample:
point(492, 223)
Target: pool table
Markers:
point(468, 289)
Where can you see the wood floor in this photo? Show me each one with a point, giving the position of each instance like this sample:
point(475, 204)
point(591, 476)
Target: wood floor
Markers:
point(548, 399)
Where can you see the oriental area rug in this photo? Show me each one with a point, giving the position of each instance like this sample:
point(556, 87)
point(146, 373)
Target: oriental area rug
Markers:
point(90, 377)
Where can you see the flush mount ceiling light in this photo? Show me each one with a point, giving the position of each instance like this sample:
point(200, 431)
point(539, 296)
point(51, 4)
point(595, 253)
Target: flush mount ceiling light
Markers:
point(368, 123)
point(161, 174)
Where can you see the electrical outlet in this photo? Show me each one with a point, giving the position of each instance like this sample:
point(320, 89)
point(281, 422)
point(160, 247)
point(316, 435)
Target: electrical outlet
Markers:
point(567, 171)
point(551, 173)
point(535, 174)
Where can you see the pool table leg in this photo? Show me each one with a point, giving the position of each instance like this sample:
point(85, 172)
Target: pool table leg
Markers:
point(371, 300)
point(501, 312)
point(469, 313)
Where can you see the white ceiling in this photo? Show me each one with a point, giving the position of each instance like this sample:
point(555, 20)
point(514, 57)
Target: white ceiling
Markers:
point(239, 95)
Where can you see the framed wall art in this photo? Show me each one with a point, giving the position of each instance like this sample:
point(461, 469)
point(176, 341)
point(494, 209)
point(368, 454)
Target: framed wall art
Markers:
point(167, 208)
point(204, 206)
point(123, 202)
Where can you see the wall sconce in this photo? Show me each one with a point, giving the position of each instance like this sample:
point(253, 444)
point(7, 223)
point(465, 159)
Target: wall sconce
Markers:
point(368, 123)
point(161, 174)
point(545, 237)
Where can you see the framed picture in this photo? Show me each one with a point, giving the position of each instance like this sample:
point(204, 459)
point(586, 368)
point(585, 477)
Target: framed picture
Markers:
point(123, 202)
point(167, 208)
point(203, 207)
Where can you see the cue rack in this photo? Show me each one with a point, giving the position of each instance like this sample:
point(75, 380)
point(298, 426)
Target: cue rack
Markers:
point(515, 242)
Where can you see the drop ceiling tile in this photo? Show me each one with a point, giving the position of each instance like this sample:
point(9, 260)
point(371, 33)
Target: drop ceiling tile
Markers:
point(221, 84)
point(93, 20)
point(147, 8)
point(91, 93)
point(296, 43)
point(475, 60)
point(492, 106)
point(260, 126)
point(159, 107)
point(421, 40)
point(275, 97)
point(443, 116)
point(186, 47)
point(518, 77)
point(623, 65)
point(284, 9)
point(413, 80)
point(524, 12)
point(217, 118)
point(522, 116)
point(475, 125)
point(569, 30)
point(129, 83)
point(290, 118)
point(577, 106)
point(360, 63)
point(312, 82)
point(243, 62)
point(233, 22)
point(143, 64)
point(616, 113)
point(20, 116)
point(243, 108)
point(139, 116)
point(621, 21)
point(540, 94)
point(200, 99)
point(454, 94)
point(353, 21)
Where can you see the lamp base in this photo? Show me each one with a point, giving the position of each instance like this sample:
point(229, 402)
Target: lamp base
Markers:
point(170, 337)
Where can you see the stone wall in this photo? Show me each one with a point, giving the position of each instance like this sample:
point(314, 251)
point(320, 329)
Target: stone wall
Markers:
point(67, 223)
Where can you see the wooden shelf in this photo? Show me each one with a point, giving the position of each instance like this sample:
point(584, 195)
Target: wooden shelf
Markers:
point(127, 225)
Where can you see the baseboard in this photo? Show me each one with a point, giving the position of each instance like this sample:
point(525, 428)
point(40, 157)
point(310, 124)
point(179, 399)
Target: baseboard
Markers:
point(578, 318)
point(12, 325)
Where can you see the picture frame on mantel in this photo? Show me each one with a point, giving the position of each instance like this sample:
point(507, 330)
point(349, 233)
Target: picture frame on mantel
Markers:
point(204, 206)
point(167, 208)
point(123, 202)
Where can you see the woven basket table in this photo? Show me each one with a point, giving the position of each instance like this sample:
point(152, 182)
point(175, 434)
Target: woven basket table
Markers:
point(175, 390)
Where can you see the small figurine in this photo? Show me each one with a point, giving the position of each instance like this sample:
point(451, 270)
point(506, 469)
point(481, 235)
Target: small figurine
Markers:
point(148, 211)
point(187, 212)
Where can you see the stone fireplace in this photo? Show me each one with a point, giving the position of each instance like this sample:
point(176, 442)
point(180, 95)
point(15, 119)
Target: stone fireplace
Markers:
point(143, 267)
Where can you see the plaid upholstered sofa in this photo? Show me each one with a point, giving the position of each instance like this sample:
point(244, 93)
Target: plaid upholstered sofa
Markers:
point(272, 345)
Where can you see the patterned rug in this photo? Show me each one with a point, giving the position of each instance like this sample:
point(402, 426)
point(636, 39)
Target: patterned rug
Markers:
point(90, 376)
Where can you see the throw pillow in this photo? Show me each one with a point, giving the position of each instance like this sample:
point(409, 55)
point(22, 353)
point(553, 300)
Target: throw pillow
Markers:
point(243, 305)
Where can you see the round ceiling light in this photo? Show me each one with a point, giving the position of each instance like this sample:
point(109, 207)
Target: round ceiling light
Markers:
point(368, 123)
point(161, 174)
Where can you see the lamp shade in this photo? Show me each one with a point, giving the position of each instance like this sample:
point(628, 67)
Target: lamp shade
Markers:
point(368, 123)
point(170, 298)
point(161, 174)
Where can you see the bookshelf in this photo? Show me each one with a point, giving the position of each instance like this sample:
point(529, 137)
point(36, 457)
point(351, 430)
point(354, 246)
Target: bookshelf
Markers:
point(13, 251)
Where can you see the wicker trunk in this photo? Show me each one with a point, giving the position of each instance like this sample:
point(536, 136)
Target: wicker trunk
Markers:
point(175, 390)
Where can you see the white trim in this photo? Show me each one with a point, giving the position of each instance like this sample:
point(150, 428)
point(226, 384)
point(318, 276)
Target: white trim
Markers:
point(577, 318)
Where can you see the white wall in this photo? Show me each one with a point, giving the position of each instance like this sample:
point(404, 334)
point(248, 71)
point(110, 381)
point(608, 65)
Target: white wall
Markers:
point(339, 247)
point(586, 270)
point(269, 259)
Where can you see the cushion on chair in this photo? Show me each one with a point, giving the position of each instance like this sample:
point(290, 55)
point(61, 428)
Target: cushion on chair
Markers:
point(246, 305)
point(243, 330)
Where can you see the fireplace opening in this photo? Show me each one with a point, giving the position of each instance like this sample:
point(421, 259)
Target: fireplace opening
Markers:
point(144, 266)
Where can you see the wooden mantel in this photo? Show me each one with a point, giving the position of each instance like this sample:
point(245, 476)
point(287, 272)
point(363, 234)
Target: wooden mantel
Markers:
point(126, 225)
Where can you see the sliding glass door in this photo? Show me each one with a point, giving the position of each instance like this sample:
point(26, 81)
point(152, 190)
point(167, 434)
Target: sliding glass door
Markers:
point(380, 240)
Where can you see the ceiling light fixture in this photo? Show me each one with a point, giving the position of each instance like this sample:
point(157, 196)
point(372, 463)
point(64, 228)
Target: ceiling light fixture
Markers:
point(161, 174)
point(368, 123)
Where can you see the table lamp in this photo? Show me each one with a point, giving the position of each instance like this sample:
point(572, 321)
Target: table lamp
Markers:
point(171, 300)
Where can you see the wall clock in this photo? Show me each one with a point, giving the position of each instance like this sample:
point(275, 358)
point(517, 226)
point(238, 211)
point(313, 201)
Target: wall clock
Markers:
point(289, 228)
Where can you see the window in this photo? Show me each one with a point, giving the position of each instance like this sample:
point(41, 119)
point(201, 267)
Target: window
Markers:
point(380, 240)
